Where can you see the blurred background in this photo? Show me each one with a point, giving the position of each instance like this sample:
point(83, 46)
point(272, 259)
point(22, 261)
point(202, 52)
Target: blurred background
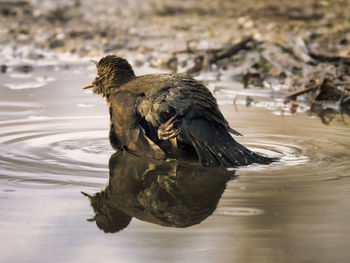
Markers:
point(292, 45)
point(280, 71)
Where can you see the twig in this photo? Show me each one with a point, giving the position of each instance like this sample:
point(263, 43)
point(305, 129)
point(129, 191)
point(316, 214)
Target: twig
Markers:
point(234, 102)
point(323, 58)
point(189, 50)
point(211, 56)
point(294, 95)
point(226, 53)
point(298, 93)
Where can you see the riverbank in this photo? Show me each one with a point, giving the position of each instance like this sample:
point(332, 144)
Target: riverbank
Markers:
point(291, 46)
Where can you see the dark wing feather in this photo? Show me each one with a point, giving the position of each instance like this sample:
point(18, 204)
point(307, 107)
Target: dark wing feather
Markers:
point(183, 96)
point(201, 123)
point(216, 147)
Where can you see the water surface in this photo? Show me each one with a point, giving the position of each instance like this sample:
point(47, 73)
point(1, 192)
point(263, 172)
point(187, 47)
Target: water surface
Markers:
point(54, 144)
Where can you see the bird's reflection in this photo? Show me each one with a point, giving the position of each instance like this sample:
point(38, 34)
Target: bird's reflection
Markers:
point(164, 193)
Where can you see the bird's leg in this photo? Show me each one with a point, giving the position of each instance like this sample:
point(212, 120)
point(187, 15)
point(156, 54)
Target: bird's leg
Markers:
point(168, 130)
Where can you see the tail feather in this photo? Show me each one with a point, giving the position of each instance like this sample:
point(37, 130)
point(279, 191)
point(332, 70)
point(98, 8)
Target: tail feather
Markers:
point(222, 158)
point(204, 153)
point(216, 147)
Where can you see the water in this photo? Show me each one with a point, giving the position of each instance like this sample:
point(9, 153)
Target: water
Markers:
point(54, 145)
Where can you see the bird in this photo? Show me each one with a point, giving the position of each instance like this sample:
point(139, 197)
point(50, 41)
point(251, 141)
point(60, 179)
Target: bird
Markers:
point(167, 116)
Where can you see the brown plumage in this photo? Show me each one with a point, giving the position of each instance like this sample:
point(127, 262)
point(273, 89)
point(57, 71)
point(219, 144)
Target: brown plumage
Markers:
point(167, 115)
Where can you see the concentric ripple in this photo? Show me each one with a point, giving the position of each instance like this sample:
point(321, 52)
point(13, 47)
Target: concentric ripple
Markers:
point(59, 134)
point(306, 155)
point(239, 211)
point(69, 150)
point(15, 108)
point(60, 150)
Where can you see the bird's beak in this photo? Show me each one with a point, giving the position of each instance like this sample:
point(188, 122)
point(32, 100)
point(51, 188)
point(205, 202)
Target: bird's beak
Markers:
point(89, 86)
point(87, 195)
point(93, 219)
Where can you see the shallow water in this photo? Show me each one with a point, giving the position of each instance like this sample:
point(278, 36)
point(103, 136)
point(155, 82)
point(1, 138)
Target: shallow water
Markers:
point(54, 145)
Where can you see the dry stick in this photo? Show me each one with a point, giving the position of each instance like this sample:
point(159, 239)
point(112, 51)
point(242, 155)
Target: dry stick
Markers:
point(234, 102)
point(193, 51)
point(293, 95)
point(323, 58)
point(218, 54)
point(226, 53)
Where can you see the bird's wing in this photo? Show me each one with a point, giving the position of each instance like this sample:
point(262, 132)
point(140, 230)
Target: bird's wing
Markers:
point(184, 96)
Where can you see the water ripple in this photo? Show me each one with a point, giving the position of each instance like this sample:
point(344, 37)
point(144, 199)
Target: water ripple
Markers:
point(59, 150)
point(13, 108)
point(75, 149)
point(239, 211)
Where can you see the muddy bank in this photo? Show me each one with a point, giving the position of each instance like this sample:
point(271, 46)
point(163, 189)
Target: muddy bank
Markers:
point(290, 45)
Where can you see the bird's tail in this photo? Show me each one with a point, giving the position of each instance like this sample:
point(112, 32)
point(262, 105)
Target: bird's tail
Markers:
point(227, 154)
point(216, 147)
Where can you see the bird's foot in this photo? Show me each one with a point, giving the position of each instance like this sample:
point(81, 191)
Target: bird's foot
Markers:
point(168, 129)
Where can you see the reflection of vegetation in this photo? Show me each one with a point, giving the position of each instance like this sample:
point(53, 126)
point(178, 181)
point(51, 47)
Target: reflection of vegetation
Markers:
point(164, 193)
point(327, 115)
point(328, 98)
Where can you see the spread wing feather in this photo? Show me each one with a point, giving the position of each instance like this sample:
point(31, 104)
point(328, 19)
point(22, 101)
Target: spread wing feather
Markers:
point(183, 97)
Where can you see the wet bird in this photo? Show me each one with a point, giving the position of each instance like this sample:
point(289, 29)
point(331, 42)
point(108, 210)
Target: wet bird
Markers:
point(162, 116)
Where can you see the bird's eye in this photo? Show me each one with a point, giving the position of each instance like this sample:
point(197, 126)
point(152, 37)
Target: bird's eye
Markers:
point(97, 76)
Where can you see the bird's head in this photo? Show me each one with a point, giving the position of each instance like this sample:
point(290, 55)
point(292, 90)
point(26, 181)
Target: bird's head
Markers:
point(112, 72)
